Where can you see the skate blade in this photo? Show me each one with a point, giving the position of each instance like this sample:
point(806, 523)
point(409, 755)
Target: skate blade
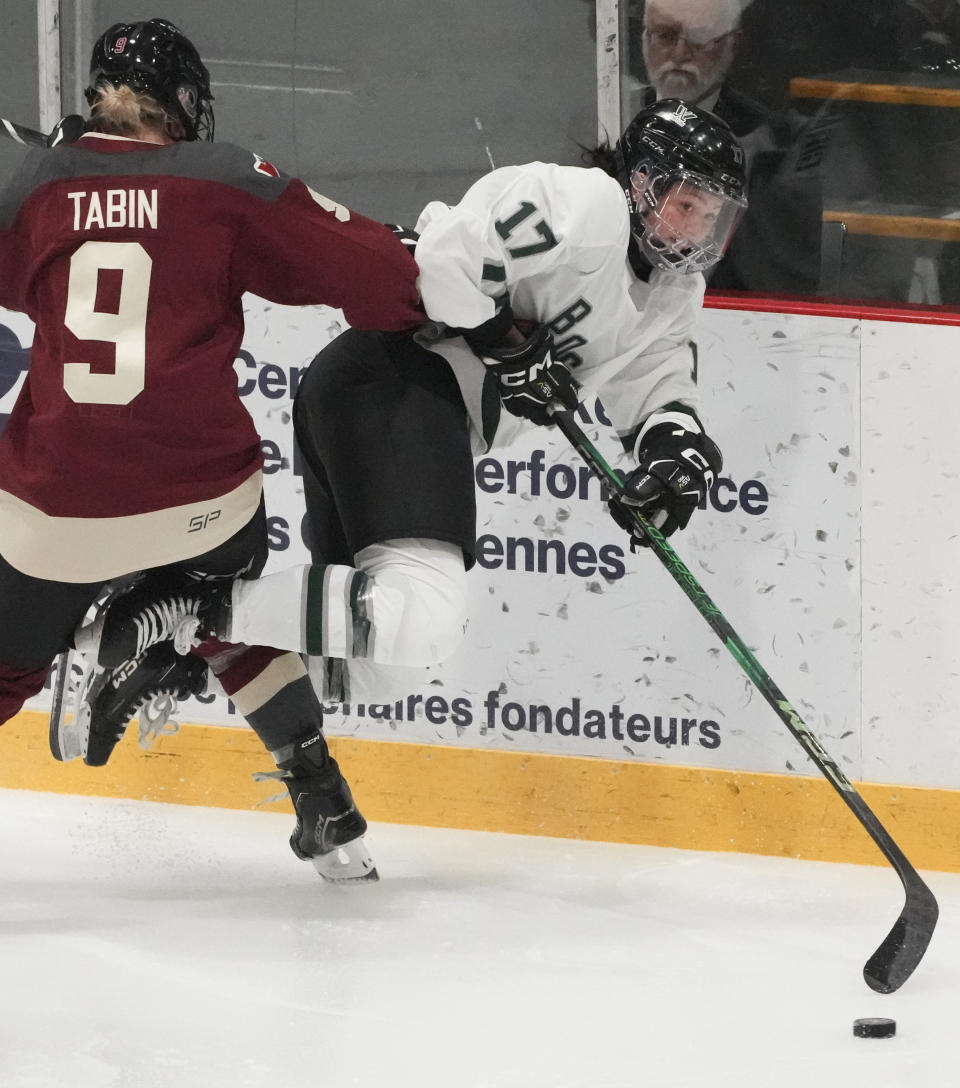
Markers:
point(69, 738)
point(70, 741)
point(350, 864)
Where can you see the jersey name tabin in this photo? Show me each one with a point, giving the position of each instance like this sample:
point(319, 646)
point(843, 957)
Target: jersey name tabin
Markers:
point(115, 208)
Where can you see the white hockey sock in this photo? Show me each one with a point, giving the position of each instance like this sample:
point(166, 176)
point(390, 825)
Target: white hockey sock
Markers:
point(313, 609)
point(270, 611)
point(403, 604)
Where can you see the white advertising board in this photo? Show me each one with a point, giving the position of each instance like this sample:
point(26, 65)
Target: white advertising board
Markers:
point(911, 554)
point(576, 646)
point(566, 619)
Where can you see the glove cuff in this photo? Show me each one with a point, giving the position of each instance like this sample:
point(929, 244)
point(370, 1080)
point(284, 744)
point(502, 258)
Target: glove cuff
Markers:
point(484, 338)
point(677, 418)
point(536, 345)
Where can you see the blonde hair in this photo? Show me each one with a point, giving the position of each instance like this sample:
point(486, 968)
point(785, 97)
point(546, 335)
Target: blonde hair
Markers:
point(122, 111)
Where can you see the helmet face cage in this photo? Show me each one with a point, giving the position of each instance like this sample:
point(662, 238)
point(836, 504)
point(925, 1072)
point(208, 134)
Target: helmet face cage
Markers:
point(684, 175)
point(156, 59)
point(686, 220)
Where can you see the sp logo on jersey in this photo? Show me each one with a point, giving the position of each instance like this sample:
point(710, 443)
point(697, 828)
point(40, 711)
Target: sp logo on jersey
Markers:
point(201, 521)
point(263, 167)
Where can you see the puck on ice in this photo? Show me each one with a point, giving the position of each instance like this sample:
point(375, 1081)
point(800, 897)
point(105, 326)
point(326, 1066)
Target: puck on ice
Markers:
point(874, 1027)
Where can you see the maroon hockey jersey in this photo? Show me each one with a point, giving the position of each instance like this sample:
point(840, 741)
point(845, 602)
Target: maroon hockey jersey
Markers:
point(128, 445)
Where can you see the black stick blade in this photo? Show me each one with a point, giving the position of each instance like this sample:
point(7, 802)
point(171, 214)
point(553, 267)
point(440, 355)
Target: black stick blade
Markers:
point(902, 949)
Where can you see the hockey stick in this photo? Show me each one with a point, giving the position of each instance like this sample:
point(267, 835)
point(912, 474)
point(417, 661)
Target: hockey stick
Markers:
point(21, 133)
point(903, 947)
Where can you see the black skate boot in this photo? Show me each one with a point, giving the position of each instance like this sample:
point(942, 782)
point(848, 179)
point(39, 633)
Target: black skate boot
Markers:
point(329, 829)
point(130, 622)
point(148, 688)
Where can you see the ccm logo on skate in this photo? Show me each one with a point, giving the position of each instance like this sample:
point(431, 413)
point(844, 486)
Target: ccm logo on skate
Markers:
point(123, 672)
point(201, 521)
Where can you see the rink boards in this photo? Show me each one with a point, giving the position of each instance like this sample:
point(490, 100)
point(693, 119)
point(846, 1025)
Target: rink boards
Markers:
point(589, 698)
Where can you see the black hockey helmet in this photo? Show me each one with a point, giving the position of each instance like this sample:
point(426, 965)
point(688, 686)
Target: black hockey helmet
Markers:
point(684, 175)
point(157, 59)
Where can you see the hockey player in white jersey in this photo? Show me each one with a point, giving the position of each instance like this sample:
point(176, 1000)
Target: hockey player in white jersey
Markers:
point(612, 287)
point(544, 283)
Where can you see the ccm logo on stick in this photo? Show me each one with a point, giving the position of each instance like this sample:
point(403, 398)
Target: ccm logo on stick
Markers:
point(201, 521)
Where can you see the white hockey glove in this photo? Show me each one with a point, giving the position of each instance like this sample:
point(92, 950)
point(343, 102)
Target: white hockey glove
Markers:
point(676, 465)
point(530, 381)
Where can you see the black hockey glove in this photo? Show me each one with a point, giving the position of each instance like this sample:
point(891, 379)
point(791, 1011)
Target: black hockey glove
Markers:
point(67, 130)
point(530, 380)
point(676, 465)
point(406, 235)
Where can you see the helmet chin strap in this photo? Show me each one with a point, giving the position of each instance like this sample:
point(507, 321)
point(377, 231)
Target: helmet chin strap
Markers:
point(639, 261)
point(174, 129)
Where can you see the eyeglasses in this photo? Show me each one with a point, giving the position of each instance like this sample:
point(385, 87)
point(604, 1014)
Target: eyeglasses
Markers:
point(670, 38)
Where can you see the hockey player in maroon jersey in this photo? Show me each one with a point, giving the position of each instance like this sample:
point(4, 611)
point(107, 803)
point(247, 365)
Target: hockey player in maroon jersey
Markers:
point(128, 451)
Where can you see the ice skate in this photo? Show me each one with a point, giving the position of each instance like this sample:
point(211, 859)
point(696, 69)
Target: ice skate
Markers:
point(129, 623)
point(149, 689)
point(330, 829)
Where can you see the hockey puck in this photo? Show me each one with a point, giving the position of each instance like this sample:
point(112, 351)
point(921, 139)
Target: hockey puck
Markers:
point(874, 1027)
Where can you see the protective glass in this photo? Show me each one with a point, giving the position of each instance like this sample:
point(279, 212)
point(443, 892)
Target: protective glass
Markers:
point(686, 220)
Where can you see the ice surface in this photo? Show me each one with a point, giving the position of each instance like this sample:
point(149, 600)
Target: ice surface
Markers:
point(147, 946)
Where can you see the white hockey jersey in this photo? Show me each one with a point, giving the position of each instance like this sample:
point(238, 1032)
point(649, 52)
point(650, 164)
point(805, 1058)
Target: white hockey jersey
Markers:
point(554, 240)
